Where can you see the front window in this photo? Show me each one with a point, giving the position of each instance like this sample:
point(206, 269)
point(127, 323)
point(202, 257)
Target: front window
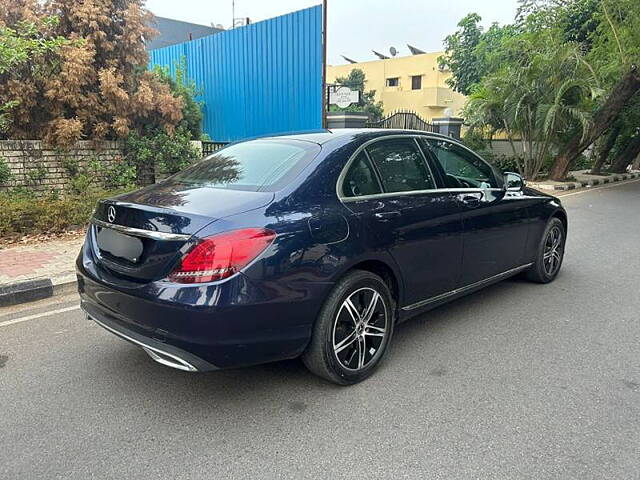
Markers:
point(393, 82)
point(416, 82)
point(256, 165)
point(462, 169)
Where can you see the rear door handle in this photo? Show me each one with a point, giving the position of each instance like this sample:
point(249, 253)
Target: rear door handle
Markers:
point(386, 216)
point(471, 199)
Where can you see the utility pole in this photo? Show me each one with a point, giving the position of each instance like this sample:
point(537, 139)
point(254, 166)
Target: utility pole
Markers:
point(233, 14)
point(325, 93)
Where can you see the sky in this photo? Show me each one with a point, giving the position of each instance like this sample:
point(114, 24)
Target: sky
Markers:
point(355, 27)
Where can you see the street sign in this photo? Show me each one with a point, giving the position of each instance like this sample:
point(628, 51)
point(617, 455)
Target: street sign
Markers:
point(343, 97)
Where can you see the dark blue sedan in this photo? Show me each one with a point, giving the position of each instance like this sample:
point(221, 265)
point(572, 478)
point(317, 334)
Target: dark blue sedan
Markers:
point(311, 245)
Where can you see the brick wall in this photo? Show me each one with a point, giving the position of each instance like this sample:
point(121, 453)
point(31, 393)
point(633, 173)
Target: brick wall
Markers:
point(43, 169)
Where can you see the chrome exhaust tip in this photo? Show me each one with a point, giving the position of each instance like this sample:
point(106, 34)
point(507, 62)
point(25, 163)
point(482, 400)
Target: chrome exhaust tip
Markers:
point(158, 355)
point(169, 360)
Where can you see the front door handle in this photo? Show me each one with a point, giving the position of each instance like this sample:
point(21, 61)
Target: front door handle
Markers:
point(386, 216)
point(471, 199)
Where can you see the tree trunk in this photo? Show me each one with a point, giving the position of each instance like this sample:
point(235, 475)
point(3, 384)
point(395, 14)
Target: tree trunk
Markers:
point(627, 156)
point(605, 150)
point(624, 90)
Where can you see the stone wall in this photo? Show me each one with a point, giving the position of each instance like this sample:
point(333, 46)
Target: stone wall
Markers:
point(43, 169)
point(502, 148)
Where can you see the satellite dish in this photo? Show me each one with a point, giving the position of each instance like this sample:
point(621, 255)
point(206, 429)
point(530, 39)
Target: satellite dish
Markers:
point(448, 112)
point(393, 51)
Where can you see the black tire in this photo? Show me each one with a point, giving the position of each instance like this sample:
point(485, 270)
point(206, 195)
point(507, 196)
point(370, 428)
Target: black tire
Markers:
point(334, 322)
point(540, 271)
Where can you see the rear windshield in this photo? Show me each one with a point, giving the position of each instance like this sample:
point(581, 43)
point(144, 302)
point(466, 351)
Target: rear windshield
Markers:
point(256, 165)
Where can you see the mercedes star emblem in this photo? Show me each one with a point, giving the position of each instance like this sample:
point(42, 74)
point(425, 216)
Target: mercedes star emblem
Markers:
point(111, 214)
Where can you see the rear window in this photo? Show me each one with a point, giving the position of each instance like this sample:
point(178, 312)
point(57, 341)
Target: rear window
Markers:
point(256, 165)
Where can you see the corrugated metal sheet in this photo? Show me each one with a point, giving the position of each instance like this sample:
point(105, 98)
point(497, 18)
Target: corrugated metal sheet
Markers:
point(260, 79)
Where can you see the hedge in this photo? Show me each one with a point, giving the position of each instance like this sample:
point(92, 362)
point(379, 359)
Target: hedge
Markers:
point(23, 214)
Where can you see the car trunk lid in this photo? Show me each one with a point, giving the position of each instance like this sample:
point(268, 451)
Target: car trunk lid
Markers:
point(137, 236)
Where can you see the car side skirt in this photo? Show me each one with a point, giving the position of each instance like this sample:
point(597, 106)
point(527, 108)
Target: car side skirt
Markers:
point(415, 308)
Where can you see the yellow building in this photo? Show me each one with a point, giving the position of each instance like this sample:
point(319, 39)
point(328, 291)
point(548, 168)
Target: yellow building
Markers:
point(413, 83)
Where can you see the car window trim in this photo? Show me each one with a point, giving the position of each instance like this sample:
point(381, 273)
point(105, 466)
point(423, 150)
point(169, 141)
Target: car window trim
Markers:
point(347, 165)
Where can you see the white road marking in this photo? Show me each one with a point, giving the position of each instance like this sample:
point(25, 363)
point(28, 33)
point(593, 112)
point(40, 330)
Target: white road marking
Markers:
point(592, 189)
point(38, 315)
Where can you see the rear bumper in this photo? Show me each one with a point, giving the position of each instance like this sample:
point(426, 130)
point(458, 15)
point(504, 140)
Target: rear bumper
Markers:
point(235, 323)
point(160, 352)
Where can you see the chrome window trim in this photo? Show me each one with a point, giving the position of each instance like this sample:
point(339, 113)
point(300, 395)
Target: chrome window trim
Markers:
point(419, 192)
point(442, 296)
point(347, 165)
point(139, 232)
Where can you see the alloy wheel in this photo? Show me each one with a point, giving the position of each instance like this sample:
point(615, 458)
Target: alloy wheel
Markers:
point(553, 250)
point(360, 328)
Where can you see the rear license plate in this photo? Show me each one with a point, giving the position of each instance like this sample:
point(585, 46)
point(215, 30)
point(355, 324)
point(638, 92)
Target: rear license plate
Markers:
point(120, 245)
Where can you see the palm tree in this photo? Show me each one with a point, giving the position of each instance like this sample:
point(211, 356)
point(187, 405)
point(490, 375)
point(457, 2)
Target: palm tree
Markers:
point(542, 98)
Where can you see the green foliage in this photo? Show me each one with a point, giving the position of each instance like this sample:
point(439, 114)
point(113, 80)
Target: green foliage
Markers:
point(120, 175)
point(529, 81)
point(584, 162)
point(27, 40)
point(98, 175)
point(506, 163)
point(163, 153)
point(36, 173)
point(32, 44)
point(629, 125)
point(471, 52)
point(356, 80)
point(460, 54)
point(616, 41)
point(184, 87)
point(543, 98)
point(22, 213)
point(5, 172)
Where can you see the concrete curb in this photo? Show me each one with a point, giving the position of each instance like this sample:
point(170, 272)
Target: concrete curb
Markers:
point(584, 183)
point(38, 289)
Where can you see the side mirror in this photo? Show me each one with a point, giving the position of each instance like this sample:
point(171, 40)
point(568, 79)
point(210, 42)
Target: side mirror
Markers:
point(513, 182)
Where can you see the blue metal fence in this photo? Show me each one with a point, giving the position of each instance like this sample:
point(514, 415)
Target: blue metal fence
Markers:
point(260, 79)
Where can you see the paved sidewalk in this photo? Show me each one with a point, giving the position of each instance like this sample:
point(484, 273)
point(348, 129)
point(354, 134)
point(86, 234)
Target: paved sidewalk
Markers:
point(54, 259)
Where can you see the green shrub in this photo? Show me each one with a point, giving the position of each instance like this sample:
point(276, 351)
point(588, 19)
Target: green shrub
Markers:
point(36, 173)
point(184, 87)
point(5, 172)
point(157, 153)
point(505, 163)
point(584, 162)
point(21, 213)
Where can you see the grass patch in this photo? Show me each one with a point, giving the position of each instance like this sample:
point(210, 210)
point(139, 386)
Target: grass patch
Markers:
point(21, 213)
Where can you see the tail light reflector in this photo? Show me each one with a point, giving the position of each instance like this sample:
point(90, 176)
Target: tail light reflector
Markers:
point(220, 256)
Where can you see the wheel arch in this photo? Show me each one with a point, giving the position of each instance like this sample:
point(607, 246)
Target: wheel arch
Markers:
point(562, 216)
point(385, 271)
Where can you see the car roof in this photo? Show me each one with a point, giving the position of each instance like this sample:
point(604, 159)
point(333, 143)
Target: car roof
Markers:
point(324, 136)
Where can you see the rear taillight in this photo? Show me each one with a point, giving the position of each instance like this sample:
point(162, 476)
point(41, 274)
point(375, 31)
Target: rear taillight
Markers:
point(220, 256)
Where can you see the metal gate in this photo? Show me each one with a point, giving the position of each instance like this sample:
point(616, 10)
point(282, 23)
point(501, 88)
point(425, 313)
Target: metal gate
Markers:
point(404, 120)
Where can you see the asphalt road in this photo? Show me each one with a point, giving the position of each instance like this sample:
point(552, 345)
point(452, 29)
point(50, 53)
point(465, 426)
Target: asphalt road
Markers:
point(517, 381)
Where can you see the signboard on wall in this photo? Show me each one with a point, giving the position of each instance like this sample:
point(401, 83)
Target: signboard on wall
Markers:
point(343, 96)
